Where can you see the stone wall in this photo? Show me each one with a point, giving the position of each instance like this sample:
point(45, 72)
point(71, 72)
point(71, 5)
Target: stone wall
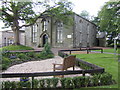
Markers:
point(84, 32)
point(80, 33)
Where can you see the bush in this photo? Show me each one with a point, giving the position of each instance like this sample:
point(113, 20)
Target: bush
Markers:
point(106, 79)
point(23, 57)
point(23, 84)
point(31, 54)
point(48, 82)
point(75, 82)
point(16, 47)
point(36, 83)
point(54, 82)
point(5, 63)
point(46, 53)
point(68, 83)
point(42, 83)
point(83, 66)
point(62, 81)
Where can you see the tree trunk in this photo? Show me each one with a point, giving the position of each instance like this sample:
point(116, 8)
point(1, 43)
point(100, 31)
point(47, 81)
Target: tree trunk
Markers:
point(16, 36)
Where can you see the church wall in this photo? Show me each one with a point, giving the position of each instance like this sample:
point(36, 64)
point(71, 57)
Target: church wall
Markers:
point(84, 32)
point(80, 33)
point(67, 36)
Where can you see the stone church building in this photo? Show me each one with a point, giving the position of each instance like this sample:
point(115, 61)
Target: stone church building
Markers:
point(81, 34)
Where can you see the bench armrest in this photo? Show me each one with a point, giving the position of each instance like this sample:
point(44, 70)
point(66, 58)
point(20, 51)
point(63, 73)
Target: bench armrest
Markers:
point(57, 64)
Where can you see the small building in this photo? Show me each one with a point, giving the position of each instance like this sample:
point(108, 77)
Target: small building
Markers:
point(81, 34)
point(101, 36)
point(7, 37)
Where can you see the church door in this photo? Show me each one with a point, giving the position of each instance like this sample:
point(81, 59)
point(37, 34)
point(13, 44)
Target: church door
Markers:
point(45, 39)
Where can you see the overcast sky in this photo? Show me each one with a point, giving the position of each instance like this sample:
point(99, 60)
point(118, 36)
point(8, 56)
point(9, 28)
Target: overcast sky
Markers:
point(92, 6)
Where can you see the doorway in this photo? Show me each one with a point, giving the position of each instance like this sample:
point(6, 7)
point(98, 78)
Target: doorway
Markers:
point(45, 39)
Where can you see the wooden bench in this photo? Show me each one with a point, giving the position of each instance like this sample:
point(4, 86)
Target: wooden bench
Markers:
point(67, 63)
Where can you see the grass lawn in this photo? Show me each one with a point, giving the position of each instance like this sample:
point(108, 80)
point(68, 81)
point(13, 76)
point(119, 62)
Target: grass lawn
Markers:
point(109, 50)
point(16, 47)
point(107, 61)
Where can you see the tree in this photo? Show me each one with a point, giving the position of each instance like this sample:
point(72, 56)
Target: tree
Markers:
point(85, 14)
point(109, 18)
point(15, 12)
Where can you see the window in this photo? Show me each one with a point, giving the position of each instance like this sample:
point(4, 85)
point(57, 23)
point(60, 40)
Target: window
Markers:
point(59, 32)
point(45, 25)
point(34, 33)
point(80, 21)
point(88, 32)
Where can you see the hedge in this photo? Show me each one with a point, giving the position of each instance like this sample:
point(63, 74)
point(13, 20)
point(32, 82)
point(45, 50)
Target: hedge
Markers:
point(69, 82)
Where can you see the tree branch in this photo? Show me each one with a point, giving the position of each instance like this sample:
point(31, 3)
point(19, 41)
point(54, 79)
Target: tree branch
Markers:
point(31, 23)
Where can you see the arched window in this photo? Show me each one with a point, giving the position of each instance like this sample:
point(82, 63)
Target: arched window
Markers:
point(44, 24)
point(59, 32)
point(34, 33)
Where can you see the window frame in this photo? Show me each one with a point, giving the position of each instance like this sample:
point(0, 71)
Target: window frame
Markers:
point(59, 32)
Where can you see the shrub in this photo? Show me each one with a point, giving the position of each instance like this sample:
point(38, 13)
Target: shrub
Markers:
point(68, 83)
point(95, 80)
point(75, 82)
point(48, 82)
point(21, 56)
point(42, 83)
point(35, 83)
point(5, 63)
point(106, 79)
point(46, 53)
point(23, 84)
point(31, 54)
point(17, 47)
point(62, 80)
point(54, 82)
point(42, 55)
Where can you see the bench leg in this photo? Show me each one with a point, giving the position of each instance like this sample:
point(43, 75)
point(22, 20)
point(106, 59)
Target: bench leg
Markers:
point(73, 68)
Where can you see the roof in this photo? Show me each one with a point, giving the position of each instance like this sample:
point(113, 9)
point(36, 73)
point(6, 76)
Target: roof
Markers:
point(85, 19)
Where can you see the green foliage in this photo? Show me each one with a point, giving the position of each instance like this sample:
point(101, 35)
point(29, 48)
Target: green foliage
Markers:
point(85, 14)
point(36, 83)
point(54, 82)
point(16, 47)
point(68, 83)
point(23, 84)
point(46, 53)
point(107, 61)
point(21, 56)
point(31, 54)
point(42, 83)
point(109, 19)
point(48, 83)
point(75, 82)
point(5, 63)
point(83, 65)
point(62, 80)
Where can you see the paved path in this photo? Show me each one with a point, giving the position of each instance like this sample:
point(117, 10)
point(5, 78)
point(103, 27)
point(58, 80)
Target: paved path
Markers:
point(37, 66)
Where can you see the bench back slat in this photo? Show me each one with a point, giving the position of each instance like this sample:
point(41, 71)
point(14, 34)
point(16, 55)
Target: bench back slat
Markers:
point(69, 62)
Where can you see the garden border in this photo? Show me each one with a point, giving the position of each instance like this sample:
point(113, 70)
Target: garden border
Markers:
point(95, 69)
